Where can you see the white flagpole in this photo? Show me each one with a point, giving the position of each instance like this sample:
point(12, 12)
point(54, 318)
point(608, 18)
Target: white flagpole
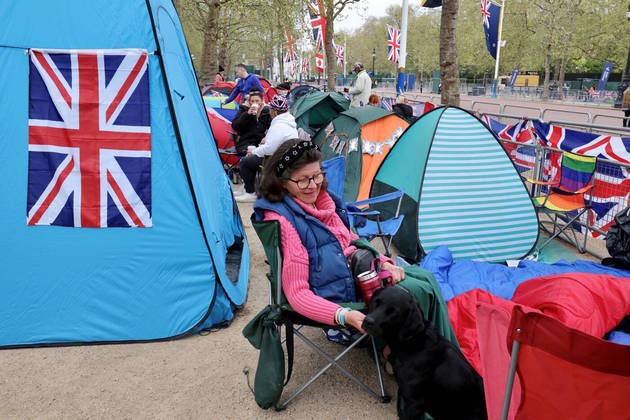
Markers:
point(403, 34)
point(496, 65)
point(345, 55)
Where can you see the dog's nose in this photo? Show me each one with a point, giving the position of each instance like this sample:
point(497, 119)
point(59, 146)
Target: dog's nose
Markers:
point(368, 322)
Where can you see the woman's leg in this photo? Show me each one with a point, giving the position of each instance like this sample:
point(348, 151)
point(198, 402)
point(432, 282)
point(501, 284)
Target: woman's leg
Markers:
point(248, 166)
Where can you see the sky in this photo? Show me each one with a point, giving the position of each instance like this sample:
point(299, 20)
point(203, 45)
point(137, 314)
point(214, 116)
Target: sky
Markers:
point(355, 15)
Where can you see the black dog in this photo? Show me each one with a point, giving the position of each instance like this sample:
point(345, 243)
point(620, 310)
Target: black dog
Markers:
point(432, 374)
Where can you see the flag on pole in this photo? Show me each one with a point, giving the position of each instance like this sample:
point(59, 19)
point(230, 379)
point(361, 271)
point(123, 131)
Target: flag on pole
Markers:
point(430, 3)
point(339, 54)
point(393, 43)
point(319, 61)
point(290, 42)
point(318, 23)
point(491, 14)
point(305, 66)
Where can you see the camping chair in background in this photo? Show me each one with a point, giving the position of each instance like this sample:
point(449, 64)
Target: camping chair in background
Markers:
point(365, 221)
point(269, 235)
point(566, 194)
point(565, 373)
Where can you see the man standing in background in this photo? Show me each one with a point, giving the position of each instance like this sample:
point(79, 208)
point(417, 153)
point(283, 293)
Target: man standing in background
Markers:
point(362, 88)
point(246, 83)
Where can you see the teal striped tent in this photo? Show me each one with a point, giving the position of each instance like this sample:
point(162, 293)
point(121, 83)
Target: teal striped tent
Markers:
point(461, 190)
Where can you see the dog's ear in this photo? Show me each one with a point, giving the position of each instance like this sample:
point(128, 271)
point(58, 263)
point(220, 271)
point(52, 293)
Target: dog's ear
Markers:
point(414, 323)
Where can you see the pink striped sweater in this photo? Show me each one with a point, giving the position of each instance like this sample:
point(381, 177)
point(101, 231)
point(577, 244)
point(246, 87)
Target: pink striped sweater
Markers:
point(295, 263)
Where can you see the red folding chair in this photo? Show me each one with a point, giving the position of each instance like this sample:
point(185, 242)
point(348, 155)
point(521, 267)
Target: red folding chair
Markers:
point(565, 373)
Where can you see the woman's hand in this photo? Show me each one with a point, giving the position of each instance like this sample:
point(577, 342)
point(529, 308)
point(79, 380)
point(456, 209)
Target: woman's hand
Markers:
point(355, 319)
point(398, 274)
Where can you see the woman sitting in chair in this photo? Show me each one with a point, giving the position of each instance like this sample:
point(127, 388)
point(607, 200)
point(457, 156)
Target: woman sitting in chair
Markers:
point(317, 244)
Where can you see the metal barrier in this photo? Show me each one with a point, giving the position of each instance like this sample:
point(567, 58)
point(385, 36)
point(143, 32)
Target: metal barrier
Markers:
point(564, 111)
point(603, 129)
point(538, 110)
point(612, 117)
point(493, 104)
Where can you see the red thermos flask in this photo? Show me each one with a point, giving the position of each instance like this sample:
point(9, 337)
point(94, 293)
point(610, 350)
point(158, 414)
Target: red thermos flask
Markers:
point(369, 282)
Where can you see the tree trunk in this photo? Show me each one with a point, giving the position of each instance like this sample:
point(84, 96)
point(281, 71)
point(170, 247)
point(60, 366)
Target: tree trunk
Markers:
point(448, 53)
point(565, 54)
point(547, 71)
point(209, 51)
point(223, 50)
point(331, 64)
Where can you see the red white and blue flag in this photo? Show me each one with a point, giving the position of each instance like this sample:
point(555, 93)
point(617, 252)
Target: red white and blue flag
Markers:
point(490, 16)
point(89, 139)
point(318, 23)
point(393, 43)
point(339, 52)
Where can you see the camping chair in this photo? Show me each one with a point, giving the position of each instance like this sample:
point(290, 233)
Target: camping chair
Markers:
point(564, 373)
point(269, 235)
point(368, 222)
point(567, 195)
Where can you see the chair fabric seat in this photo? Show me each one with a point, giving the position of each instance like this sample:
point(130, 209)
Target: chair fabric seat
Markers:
point(561, 202)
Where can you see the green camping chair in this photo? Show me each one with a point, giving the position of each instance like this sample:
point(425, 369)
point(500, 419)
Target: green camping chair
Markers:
point(269, 235)
point(567, 198)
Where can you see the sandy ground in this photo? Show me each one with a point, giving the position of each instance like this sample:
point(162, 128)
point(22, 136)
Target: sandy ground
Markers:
point(195, 377)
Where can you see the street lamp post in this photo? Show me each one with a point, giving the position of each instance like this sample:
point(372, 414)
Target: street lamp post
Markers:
point(624, 79)
point(373, 58)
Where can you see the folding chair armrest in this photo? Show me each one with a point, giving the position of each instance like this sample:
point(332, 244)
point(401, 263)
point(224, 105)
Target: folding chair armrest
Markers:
point(381, 198)
point(365, 213)
point(585, 189)
point(535, 182)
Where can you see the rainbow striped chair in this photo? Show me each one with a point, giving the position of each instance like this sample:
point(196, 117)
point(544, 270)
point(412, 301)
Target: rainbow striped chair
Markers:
point(568, 195)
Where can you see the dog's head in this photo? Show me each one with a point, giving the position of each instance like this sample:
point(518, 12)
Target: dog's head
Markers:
point(394, 315)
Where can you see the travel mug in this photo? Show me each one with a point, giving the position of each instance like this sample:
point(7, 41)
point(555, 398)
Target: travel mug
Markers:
point(369, 282)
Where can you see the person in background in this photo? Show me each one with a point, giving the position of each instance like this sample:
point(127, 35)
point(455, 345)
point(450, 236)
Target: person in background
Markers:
point(246, 83)
point(219, 78)
point(283, 89)
point(403, 109)
point(362, 88)
point(251, 122)
point(625, 106)
point(282, 128)
point(374, 101)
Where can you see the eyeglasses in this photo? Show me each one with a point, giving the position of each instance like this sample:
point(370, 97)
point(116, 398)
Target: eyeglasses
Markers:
point(305, 182)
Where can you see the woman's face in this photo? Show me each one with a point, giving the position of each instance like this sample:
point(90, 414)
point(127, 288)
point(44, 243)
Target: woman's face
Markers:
point(310, 193)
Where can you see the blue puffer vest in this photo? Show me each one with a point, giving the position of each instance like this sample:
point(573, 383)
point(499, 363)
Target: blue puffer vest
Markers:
point(329, 275)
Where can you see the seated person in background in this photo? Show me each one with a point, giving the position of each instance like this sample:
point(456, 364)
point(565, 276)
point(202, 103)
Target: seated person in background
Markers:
point(251, 122)
point(282, 128)
point(374, 101)
point(403, 109)
point(317, 244)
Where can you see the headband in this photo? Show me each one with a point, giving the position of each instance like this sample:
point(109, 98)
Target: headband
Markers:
point(292, 155)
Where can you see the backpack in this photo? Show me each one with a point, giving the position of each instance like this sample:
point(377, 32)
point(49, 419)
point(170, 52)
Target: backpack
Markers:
point(618, 240)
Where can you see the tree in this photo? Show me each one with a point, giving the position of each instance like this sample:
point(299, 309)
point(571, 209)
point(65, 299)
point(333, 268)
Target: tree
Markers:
point(332, 9)
point(448, 53)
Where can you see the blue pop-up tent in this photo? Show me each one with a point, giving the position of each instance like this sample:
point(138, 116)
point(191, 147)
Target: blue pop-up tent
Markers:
point(153, 249)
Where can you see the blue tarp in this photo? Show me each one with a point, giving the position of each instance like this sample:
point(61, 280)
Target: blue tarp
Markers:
point(457, 277)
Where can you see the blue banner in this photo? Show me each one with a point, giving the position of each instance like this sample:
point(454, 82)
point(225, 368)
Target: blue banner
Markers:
point(430, 3)
point(400, 84)
point(605, 74)
point(513, 78)
point(491, 16)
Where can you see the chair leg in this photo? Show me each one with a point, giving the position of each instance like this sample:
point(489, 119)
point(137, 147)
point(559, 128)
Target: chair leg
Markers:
point(384, 397)
point(331, 362)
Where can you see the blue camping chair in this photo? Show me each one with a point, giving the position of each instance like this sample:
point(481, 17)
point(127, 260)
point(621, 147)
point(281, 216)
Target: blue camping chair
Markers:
point(367, 222)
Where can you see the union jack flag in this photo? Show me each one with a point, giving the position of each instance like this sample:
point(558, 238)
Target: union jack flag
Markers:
point(318, 23)
point(89, 139)
point(339, 52)
point(612, 182)
point(393, 43)
point(305, 66)
point(524, 157)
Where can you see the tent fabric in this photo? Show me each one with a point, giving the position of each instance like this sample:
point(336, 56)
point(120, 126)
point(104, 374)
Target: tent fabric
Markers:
point(591, 303)
point(457, 277)
point(552, 356)
point(462, 190)
point(78, 285)
point(363, 136)
point(315, 109)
